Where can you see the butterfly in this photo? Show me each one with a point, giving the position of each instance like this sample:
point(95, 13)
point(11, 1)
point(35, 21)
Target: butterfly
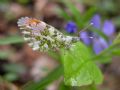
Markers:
point(43, 37)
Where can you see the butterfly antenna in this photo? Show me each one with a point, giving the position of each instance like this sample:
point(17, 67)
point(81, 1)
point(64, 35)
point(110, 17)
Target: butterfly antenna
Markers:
point(85, 29)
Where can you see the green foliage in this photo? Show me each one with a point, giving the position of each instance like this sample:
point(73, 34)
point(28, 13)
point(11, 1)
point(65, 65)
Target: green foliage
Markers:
point(79, 69)
point(75, 14)
point(85, 18)
point(116, 52)
point(55, 55)
point(108, 5)
point(23, 1)
point(89, 87)
point(15, 68)
point(62, 86)
point(4, 1)
point(4, 54)
point(88, 2)
point(40, 85)
point(100, 33)
point(13, 39)
point(88, 14)
point(62, 13)
point(117, 21)
point(11, 76)
point(13, 71)
point(112, 50)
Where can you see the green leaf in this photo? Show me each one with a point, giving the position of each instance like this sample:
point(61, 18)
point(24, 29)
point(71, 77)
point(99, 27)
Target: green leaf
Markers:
point(106, 55)
point(117, 39)
point(116, 52)
point(4, 54)
point(62, 86)
point(99, 32)
point(11, 76)
point(79, 69)
point(72, 7)
point(15, 68)
point(11, 40)
point(89, 87)
point(23, 1)
point(116, 21)
point(4, 1)
point(55, 55)
point(63, 14)
point(88, 2)
point(75, 12)
point(103, 58)
point(89, 13)
point(1, 79)
point(40, 85)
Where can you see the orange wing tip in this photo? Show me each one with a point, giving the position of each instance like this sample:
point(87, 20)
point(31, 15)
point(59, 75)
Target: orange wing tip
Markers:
point(31, 23)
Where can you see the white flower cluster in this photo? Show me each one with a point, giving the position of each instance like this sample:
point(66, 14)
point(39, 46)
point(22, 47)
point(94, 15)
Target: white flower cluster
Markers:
point(43, 37)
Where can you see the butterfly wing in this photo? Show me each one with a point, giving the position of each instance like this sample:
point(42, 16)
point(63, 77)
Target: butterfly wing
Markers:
point(43, 37)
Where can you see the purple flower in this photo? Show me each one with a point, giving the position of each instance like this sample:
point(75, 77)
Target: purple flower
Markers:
point(85, 38)
point(71, 27)
point(99, 45)
point(108, 28)
point(96, 20)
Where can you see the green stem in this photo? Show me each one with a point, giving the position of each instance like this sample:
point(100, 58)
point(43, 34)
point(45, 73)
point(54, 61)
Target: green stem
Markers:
point(40, 85)
point(116, 43)
point(106, 50)
point(117, 38)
